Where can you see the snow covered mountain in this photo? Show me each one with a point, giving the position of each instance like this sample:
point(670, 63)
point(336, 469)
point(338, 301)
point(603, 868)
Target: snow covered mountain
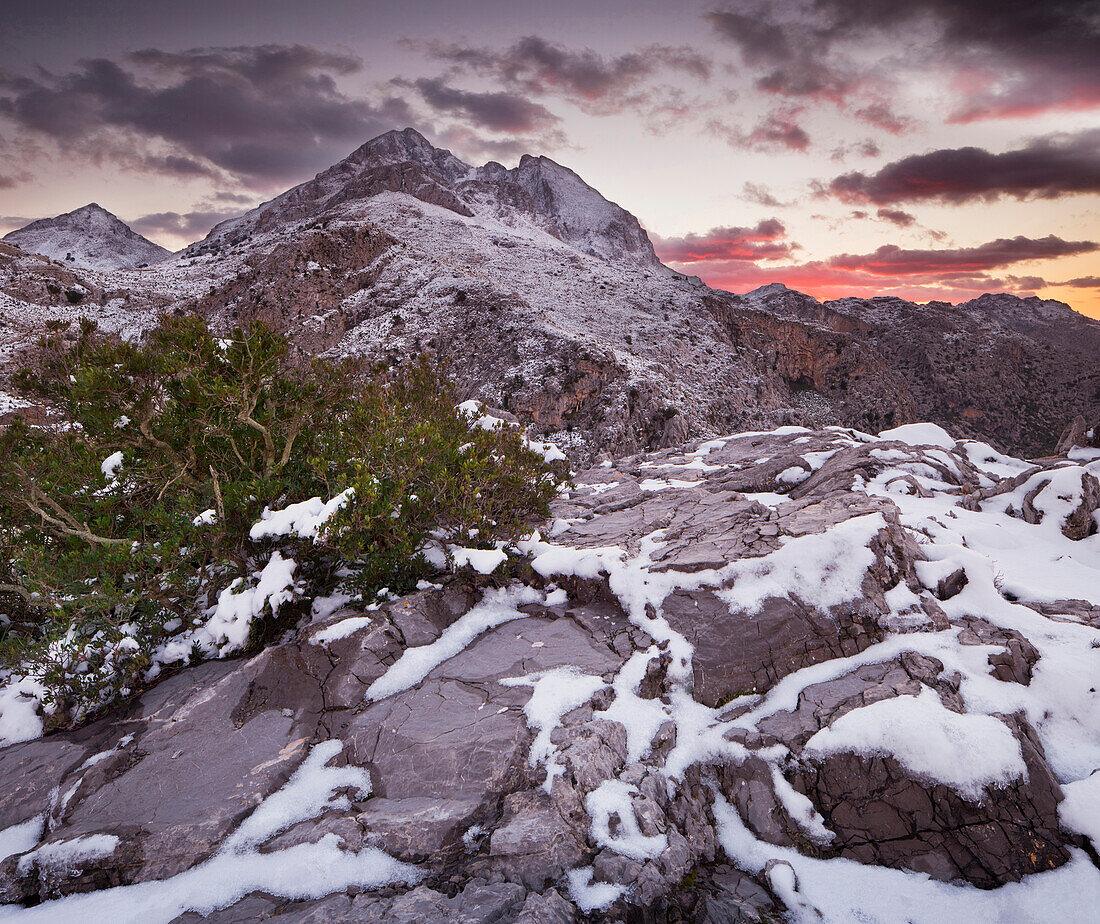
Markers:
point(538, 193)
point(90, 238)
point(547, 300)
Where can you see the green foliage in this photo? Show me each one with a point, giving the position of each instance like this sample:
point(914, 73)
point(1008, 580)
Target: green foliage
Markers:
point(98, 569)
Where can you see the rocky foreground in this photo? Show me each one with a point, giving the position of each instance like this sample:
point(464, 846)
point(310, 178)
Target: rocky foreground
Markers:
point(792, 675)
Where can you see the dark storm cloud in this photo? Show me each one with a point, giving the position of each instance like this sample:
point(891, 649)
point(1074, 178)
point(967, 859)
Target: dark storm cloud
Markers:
point(790, 60)
point(760, 41)
point(496, 111)
point(891, 260)
point(1047, 168)
point(1043, 55)
point(545, 67)
point(764, 242)
point(265, 114)
point(1009, 57)
point(188, 224)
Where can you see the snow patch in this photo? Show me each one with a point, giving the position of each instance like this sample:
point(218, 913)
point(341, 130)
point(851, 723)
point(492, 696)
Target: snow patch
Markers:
point(966, 752)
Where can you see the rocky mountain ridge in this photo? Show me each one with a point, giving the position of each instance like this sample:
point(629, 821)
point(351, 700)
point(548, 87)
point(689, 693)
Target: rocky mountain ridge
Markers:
point(547, 300)
point(538, 192)
point(88, 238)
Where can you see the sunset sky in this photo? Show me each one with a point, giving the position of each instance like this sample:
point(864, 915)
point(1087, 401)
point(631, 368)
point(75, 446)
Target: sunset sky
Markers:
point(929, 149)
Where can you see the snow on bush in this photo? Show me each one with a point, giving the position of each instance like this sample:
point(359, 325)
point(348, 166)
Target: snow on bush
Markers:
point(240, 481)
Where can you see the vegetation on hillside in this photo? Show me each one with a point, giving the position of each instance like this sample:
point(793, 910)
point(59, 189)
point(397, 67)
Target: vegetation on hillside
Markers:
point(127, 523)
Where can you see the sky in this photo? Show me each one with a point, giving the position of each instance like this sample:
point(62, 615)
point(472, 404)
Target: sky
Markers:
point(928, 149)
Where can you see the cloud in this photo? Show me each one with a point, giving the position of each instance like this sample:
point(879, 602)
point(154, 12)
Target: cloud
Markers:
point(1047, 168)
point(897, 217)
point(776, 131)
point(235, 198)
point(761, 195)
point(1081, 282)
point(191, 225)
point(497, 111)
point(264, 114)
point(729, 258)
point(7, 182)
point(598, 84)
point(881, 115)
point(542, 67)
point(1003, 59)
point(891, 260)
point(764, 242)
point(866, 148)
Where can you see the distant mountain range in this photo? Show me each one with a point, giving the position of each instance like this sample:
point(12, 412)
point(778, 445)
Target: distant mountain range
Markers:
point(547, 300)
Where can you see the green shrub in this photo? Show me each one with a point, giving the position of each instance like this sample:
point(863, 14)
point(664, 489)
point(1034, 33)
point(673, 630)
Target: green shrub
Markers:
point(125, 524)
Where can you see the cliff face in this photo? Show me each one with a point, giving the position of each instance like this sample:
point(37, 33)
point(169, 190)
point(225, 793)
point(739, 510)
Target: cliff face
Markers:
point(999, 368)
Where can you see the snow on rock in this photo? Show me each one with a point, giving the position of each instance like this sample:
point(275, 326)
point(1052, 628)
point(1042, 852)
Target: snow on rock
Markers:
point(966, 752)
point(340, 629)
point(710, 695)
point(22, 837)
point(612, 798)
point(301, 871)
point(496, 607)
point(825, 569)
point(555, 692)
point(69, 854)
point(591, 896)
point(920, 434)
point(1080, 810)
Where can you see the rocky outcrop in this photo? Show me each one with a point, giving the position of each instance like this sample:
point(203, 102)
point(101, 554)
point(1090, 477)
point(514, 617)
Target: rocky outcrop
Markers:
point(999, 368)
point(652, 717)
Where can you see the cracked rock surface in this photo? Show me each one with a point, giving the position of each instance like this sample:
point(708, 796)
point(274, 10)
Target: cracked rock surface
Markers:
point(737, 672)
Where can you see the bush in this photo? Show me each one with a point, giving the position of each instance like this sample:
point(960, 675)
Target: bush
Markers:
point(127, 539)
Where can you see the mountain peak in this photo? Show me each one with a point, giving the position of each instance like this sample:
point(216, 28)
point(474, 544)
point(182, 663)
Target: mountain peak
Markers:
point(539, 192)
point(89, 237)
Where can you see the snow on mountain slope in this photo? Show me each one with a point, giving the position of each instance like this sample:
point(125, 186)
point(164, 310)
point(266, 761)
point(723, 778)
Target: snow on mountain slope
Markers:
point(89, 237)
point(547, 300)
point(538, 191)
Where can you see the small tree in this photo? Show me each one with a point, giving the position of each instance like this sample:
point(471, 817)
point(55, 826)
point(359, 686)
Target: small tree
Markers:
point(127, 521)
